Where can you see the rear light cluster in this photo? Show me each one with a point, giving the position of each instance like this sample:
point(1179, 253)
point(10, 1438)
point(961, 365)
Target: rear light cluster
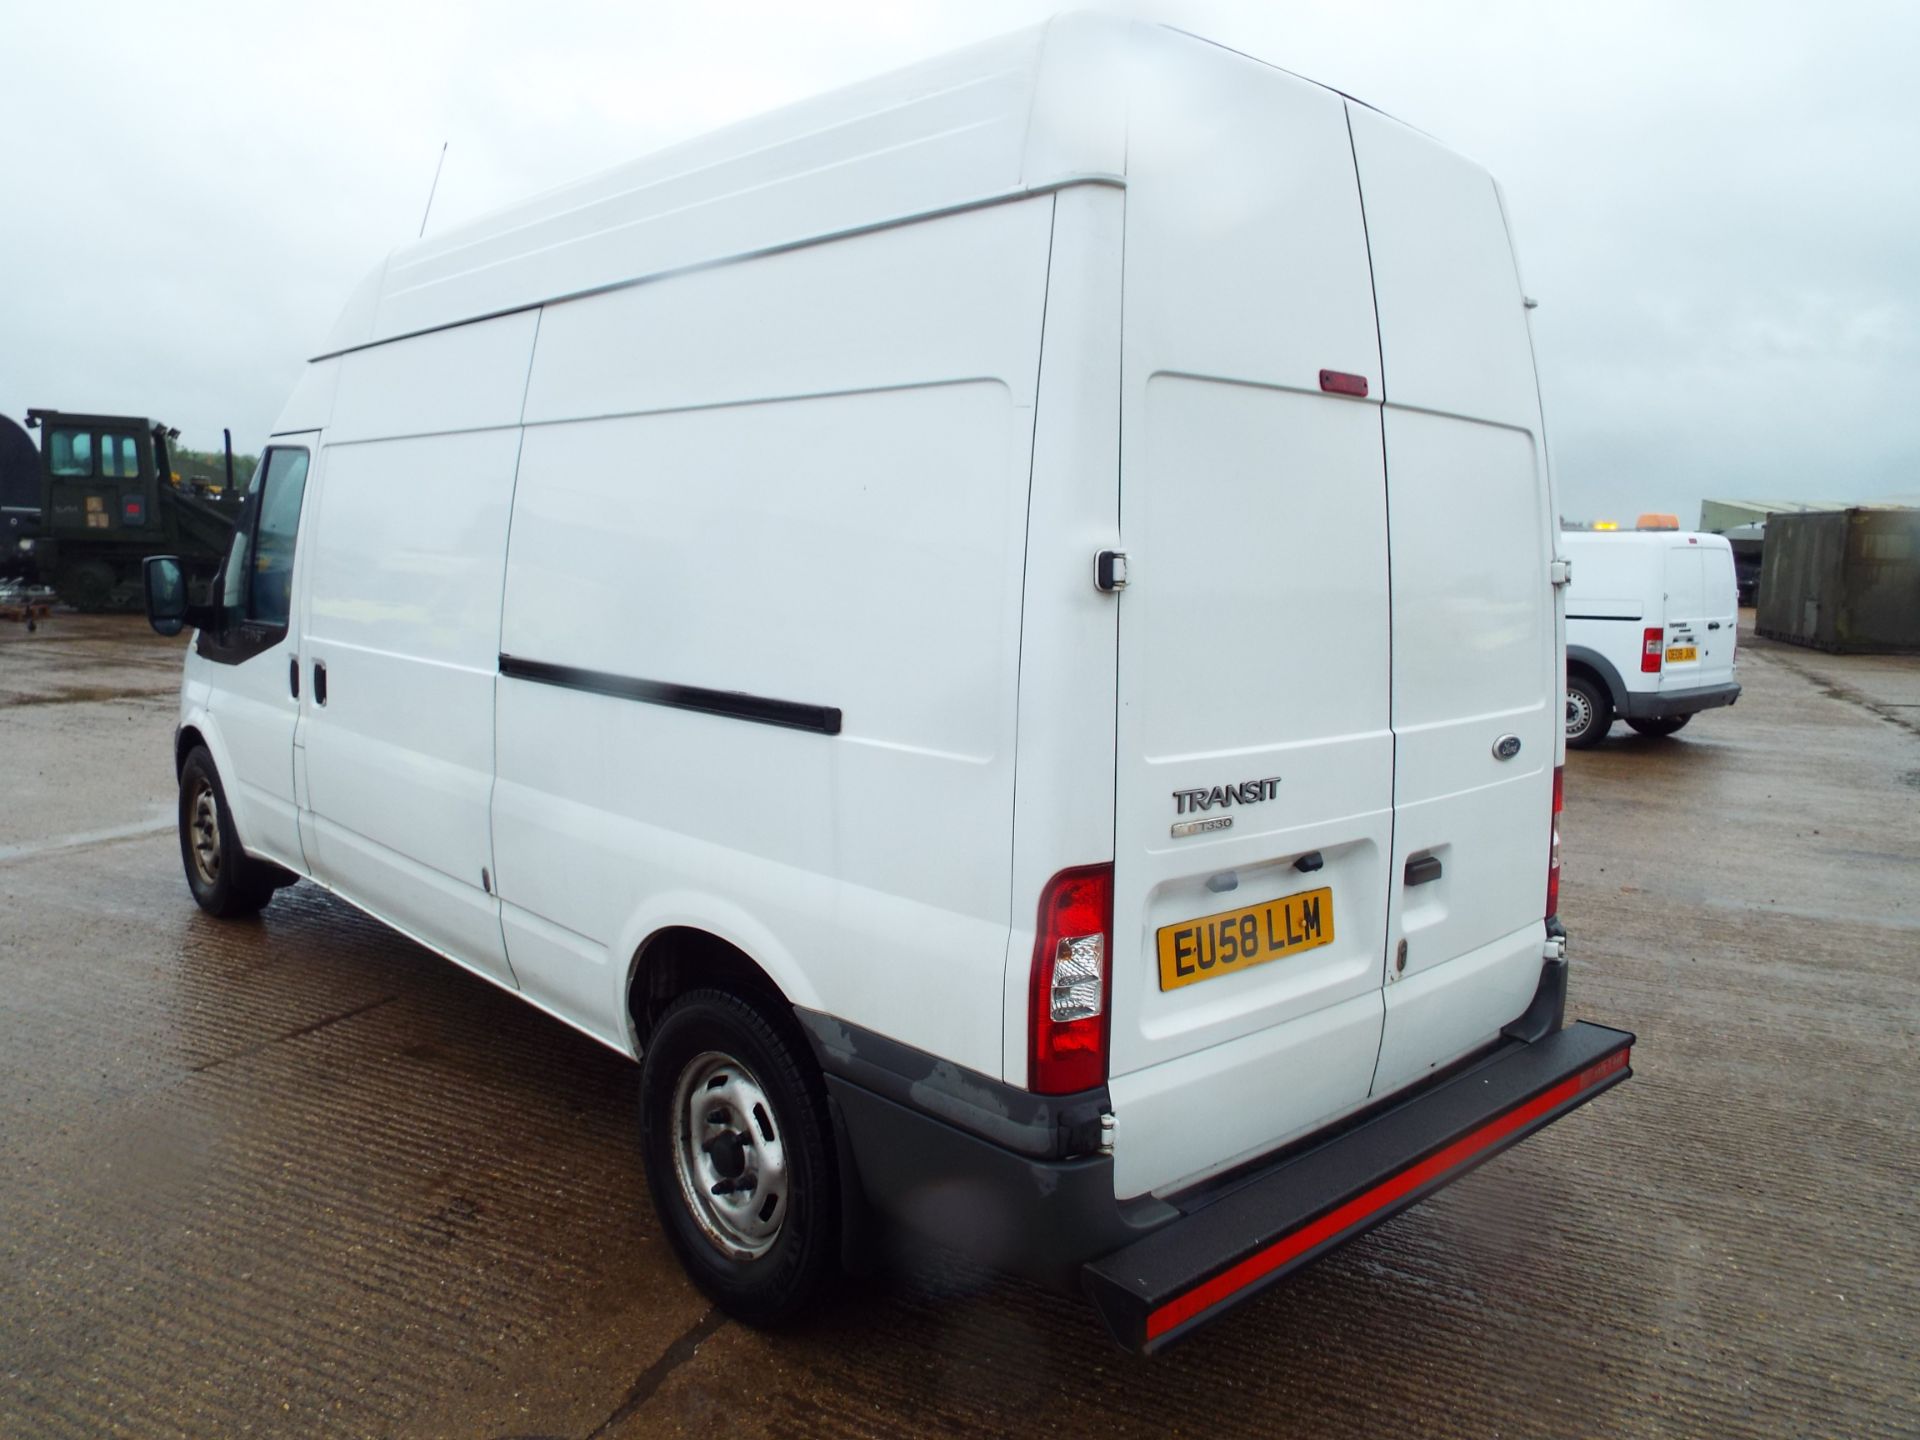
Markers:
point(1553, 846)
point(1072, 983)
point(1651, 641)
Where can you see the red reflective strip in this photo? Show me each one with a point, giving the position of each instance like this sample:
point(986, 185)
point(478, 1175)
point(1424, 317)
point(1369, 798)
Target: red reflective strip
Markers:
point(1183, 1308)
point(1339, 382)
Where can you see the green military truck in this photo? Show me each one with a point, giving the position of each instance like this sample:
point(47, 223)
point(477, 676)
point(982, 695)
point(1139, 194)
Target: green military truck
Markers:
point(108, 498)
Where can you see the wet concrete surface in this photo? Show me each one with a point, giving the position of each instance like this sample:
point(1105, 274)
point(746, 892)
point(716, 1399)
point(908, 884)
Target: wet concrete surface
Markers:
point(298, 1177)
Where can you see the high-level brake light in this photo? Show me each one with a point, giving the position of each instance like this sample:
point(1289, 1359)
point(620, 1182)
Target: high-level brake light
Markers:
point(1072, 983)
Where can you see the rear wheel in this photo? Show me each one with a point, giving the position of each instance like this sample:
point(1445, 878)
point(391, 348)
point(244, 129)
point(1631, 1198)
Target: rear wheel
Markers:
point(739, 1156)
point(129, 591)
point(1589, 712)
point(86, 585)
point(225, 880)
point(1663, 727)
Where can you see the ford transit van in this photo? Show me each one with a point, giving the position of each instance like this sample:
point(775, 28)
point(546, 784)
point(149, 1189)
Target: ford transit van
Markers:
point(998, 631)
point(1653, 621)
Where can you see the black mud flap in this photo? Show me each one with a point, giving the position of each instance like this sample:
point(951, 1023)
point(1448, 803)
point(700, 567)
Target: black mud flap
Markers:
point(1159, 1289)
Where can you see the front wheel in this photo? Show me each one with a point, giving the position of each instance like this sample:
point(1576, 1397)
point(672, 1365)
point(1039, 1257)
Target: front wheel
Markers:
point(1660, 728)
point(225, 880)
point(1589, 712)
point(739, 1156)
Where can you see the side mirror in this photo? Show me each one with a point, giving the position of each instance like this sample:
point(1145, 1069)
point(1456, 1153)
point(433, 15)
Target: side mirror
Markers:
point(169, 609)
point(166, 594)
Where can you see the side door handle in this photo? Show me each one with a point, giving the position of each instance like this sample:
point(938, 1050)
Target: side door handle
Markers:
point(1713, 624)
point(293, 676)
point(319, 682)
point(1420, 871)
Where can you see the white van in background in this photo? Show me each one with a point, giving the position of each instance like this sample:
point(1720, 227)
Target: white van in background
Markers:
point(762, 606)
point(1653, 618)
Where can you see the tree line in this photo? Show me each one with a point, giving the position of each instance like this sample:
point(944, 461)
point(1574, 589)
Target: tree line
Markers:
point(210, 466)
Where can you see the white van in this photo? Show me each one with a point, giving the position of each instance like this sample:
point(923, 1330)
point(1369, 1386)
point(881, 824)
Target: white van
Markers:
point(1653, 619)
point(882, 614)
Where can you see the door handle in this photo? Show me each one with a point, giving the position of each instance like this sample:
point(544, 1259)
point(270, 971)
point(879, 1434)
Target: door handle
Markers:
point(1420, 871)
point(293, 676)
point(1713, 625)
point(319, 682)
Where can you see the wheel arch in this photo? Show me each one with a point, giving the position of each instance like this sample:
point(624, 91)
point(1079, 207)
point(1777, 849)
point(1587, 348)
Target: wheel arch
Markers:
point(185, 740)
point(1581, 657)
point(197, 728)
point(687, 951)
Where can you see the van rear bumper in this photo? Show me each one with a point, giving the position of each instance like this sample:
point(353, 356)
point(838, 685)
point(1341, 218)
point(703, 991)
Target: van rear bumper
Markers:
point(1237, 1242)
point(1670, 704)
point(1157, 1268)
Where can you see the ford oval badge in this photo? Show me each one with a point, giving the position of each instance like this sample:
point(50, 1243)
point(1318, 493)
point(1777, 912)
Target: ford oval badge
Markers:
point(1506, 747)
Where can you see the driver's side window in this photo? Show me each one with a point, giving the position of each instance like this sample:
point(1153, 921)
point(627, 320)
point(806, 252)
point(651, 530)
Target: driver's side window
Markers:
point(259, 569)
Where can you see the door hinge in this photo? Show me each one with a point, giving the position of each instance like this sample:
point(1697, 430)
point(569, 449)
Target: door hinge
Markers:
point(1110, 570)
point(1560, 572)
point(1109, 1128)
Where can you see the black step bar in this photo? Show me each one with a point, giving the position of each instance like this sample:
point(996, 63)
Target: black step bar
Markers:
point(1163, 1287)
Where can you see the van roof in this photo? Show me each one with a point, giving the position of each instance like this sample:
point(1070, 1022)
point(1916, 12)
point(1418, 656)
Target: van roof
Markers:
point(1024, 114)
point(1622, 539)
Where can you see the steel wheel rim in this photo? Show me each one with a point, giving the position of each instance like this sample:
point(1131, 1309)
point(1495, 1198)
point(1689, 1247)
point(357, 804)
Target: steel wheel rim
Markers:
point(203, 833)
point(729, 1155)
point(1579, 714)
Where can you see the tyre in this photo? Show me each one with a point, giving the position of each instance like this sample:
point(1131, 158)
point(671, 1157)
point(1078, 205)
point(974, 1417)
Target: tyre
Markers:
point(739, 1156)
point(129, 593)
point(86, 585)
point(1589, 712)
point(1668, 726)
point(225, 880)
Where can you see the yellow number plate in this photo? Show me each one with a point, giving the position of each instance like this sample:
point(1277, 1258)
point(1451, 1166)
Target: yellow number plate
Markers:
point(1680, 652)
point(1196, 950)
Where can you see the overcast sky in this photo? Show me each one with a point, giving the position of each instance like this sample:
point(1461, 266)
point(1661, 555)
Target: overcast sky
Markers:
point(1717, 205)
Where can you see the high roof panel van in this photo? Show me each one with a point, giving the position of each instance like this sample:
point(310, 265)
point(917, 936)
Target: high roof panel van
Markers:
point(1653, 621)
point(996, 630)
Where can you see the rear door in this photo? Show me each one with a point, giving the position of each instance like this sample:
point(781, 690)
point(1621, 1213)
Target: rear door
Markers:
point(1476, 688)
point(1722, 611)
point(1689, 659)
point(1254, 760)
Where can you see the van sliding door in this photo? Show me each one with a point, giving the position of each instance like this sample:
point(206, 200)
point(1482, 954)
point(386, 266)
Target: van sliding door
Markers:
point(403, 626)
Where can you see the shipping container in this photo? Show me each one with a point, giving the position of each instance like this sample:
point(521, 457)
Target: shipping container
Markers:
point(1843, 580)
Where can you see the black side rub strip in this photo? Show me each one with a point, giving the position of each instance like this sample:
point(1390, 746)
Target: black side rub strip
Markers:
point(789, 714)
